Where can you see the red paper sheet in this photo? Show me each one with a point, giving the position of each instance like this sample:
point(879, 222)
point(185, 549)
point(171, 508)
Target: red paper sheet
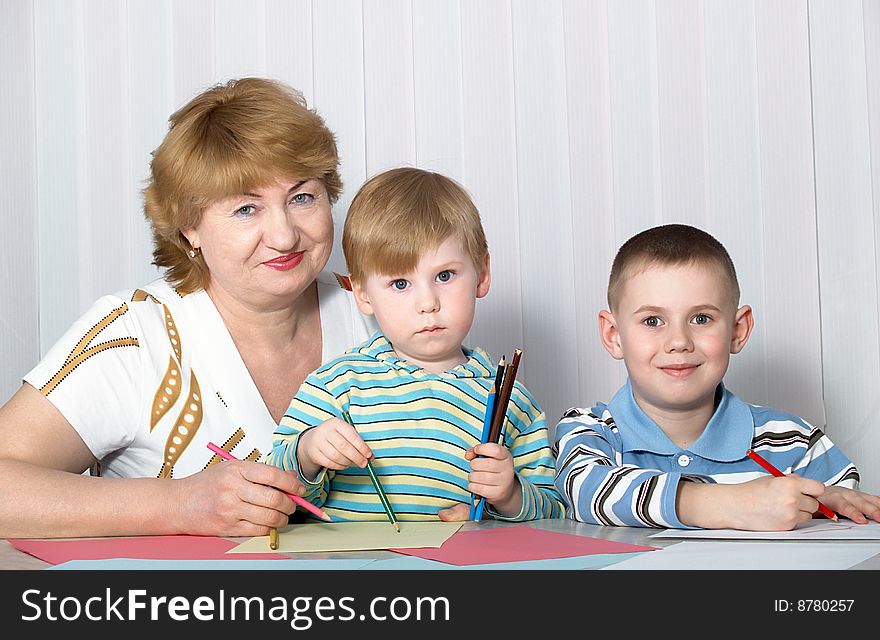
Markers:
point(513, 544)
point(141, 547)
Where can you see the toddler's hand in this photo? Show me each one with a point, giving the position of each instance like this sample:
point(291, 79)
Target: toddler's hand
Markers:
point(492, 476)
point(333, 444)
point(458, 513)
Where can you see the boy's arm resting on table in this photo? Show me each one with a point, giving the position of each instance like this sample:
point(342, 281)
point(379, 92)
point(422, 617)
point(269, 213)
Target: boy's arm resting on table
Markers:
point(42, 458)
point(764, 504)
point(599, 490)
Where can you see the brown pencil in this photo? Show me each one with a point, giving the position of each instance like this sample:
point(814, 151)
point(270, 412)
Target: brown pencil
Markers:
point(504, 397)
point(502, 400)
point(273, 538)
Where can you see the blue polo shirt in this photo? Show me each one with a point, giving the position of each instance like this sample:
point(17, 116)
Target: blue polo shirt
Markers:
point(616, 466)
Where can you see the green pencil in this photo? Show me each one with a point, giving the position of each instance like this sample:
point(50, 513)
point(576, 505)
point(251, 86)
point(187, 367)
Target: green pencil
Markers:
point(378, 485)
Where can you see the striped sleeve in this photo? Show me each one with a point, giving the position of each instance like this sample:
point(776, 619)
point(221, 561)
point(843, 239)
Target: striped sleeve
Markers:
point(598, 489)
point(312, 405)
point(525, 435)
point(793, 445)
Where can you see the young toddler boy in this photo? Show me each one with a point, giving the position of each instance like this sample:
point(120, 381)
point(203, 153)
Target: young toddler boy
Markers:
point(418, 257)
point(670, 449)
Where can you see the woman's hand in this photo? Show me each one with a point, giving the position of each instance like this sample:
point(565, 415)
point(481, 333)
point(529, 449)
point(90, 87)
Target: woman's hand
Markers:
point(236, 498)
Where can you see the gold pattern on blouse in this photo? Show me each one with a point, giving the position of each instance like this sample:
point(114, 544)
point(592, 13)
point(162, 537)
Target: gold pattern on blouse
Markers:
point(167, 393)
point(228, 445)
point(140, 295)
point(82, 351)
point(173, 336)
point(169, 389)
point(188, 422)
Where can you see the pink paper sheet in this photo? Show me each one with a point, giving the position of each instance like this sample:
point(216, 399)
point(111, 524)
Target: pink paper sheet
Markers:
point(141, 547)
point(512, 544)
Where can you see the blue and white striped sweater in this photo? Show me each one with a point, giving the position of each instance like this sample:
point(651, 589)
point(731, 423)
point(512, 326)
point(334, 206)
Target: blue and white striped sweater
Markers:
point(615, 466)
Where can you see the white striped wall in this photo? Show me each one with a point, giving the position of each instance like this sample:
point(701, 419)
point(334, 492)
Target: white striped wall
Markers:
point(573, 123)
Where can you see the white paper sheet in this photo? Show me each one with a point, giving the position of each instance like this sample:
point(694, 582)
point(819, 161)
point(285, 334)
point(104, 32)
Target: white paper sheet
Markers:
point(752, 556)
point(817, 529)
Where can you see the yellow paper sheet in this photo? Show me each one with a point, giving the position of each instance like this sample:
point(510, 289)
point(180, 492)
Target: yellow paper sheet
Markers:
point(353, 536)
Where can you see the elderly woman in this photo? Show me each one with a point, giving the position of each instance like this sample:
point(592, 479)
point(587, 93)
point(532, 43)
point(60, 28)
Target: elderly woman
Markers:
point(239, 201)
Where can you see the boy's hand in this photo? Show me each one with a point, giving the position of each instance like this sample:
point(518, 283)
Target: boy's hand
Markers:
point(458, 513)
point(855, 505)
point(333, 444)
point(764, 504)
point(492, 476)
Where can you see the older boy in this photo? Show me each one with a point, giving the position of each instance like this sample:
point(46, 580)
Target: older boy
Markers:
point(670, 449)
point(419, 260)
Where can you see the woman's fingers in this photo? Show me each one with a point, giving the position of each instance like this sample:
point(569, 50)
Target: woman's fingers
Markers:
point(238, 498)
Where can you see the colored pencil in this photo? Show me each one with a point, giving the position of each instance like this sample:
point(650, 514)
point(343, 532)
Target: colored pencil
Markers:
point(500, 413)
point(828, 513)
point(478, 512)
point(499, 379)
point(487, 426)
point(504, 398)
point(378, 485)
point(273, 538)
point(305, 504)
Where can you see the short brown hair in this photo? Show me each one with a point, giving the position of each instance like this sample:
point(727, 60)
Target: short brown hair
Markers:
point(398, 215)
point(229, 139)
point(671, 244)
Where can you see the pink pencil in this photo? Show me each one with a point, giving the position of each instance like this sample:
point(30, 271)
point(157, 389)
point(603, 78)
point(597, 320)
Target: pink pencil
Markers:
point(305, 504)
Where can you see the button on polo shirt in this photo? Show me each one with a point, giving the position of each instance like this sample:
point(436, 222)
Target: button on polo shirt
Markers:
point(725, 439)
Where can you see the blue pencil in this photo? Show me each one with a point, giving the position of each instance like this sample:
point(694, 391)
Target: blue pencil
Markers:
point(484, 438)
point(478, 512)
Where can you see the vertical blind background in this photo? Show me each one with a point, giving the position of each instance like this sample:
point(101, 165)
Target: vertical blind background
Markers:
point(573, 123)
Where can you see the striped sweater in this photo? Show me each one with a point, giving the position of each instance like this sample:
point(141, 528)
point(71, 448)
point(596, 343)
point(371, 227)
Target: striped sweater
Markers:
point(615, 466)
point(419, 425)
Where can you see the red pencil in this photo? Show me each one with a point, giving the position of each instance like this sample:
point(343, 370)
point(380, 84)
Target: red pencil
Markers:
point(305, 504)
point(828, 513)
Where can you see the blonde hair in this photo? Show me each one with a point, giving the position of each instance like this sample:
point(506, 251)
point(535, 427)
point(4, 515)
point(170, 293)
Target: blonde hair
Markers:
point(400, 214)
point(671, 244)
point(229, 139)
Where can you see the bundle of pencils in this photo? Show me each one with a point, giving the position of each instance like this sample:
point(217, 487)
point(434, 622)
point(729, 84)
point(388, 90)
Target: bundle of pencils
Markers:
point(496, 411)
